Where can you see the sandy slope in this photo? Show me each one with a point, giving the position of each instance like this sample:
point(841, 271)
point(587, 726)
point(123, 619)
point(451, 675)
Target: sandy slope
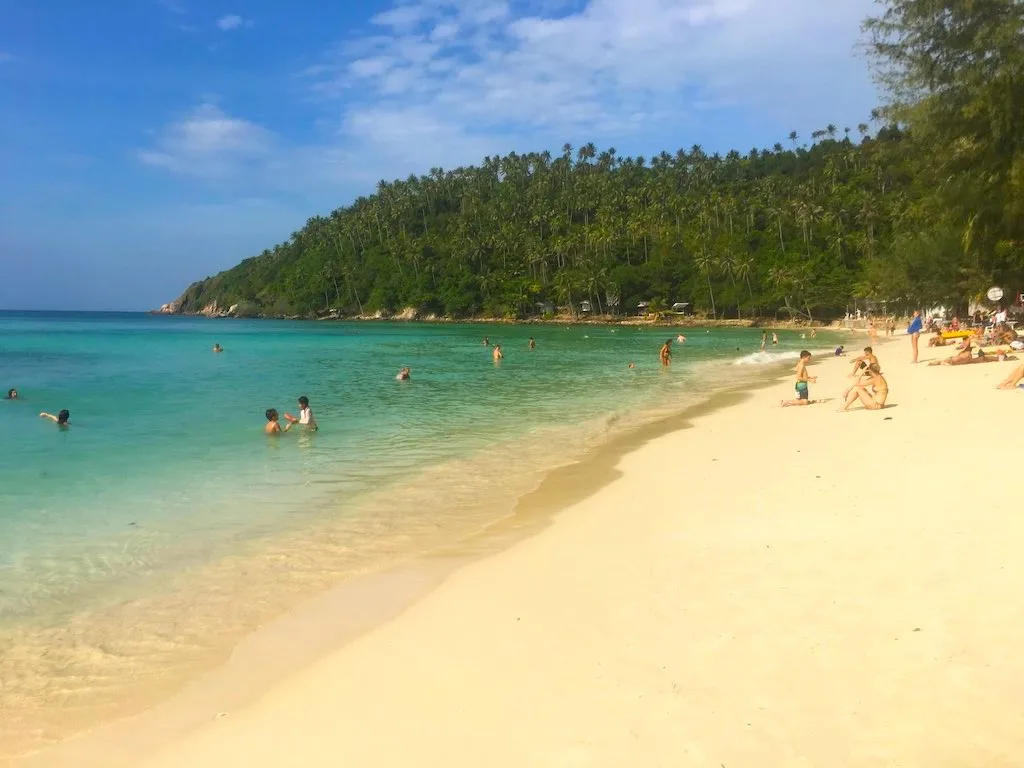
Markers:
point(774, 587)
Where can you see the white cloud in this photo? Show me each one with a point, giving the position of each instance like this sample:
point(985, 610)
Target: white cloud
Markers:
point(231, 21)
point(210, 144)
point(552, 71)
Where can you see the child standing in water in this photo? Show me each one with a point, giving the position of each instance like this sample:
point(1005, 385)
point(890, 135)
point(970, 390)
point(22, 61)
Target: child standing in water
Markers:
point(273, 424)
point(803, 396)
point(306, 418)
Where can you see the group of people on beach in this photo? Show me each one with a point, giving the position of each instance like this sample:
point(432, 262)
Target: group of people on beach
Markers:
point(869, 386)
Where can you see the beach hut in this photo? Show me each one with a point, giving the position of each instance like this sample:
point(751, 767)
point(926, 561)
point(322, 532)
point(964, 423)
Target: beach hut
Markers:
point(584, 307)
point(643, 308)
point(680, 307)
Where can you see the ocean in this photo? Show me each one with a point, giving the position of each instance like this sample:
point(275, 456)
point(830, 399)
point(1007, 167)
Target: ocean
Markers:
point(138, 545)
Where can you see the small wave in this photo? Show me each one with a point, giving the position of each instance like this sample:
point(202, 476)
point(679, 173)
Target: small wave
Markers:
point(767, 358)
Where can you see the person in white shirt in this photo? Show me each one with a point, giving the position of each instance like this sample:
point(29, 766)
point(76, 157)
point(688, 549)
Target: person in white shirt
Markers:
point(306, 418)
point(1000, 316)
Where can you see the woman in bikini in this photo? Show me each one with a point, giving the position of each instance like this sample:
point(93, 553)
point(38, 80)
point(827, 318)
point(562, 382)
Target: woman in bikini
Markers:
point(872, 395)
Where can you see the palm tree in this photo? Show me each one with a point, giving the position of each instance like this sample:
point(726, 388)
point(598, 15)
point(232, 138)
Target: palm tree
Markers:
point(794, 137)
point(705, 263)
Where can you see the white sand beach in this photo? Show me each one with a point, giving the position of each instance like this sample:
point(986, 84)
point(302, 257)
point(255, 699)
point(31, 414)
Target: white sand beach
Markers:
point(771, 587)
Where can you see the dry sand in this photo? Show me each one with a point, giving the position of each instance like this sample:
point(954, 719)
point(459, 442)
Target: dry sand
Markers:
point(773, 587)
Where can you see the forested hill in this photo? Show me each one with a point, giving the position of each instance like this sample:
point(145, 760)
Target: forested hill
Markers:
point(738, 234)
point(932, 211)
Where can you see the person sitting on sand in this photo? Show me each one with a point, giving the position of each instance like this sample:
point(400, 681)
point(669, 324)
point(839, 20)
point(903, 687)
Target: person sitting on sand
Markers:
point(666, 353)
point(404, 375)
point(803, 396)
point(218, 348)
point(12, 394)
point(62, 419)
point(274, 425)
point(497, 354)
point(306, 418)
point(938, 340)
point(1013, 380)
point(861, 363)
point(872, 393)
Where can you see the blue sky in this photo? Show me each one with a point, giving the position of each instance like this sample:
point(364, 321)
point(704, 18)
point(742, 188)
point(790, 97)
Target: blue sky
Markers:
point(145, 144)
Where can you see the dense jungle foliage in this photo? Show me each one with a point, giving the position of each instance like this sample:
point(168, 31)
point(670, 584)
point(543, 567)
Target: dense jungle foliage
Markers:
point(927, 208)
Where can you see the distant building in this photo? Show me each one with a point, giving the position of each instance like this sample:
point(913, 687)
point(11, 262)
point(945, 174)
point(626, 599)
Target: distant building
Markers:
point(584, 306)
point(643, 307)
point(681, 307)
point(545, 308)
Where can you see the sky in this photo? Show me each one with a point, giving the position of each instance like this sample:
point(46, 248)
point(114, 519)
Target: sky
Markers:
point(150, 143)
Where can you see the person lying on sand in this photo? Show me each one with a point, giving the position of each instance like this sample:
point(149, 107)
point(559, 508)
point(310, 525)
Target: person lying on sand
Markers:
point(966, 357)
point(803, 395)
point(861, 363)
point(938, 340)
point(1011, 381)
point(872, 393)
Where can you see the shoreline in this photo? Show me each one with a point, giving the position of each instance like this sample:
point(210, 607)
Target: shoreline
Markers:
point(400, 585)
point(796, 621)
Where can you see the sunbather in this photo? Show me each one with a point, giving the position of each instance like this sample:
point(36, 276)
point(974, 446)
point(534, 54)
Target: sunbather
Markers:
point(1011, 381)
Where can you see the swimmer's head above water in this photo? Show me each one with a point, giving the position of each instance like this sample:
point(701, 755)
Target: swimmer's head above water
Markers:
point(12, 394)
point(272, 414)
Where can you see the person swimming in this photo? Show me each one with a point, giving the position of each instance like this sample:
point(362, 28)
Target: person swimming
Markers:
point(632, 365)
point(533, 344)
point(681, 339)
point(273, 423)
point(497, 354)
point(12, 394)
point(62, 419)
point(218, 348)
point(487, 341)
point(404, 375)
point(306, 418)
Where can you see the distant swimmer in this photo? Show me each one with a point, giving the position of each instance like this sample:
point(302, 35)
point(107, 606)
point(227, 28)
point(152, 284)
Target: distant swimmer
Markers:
point(666, 353)
point(487, 341)
point(814, 333)
point(533, 344)
point(62, 419)
point(306, 418)
point(497, 353)
point(218, 348)
point(274, 424)
point(632, 365)
point(404, 375)
point(681, 339)
point(764, 339)
point(12, 394)
point(775, 338)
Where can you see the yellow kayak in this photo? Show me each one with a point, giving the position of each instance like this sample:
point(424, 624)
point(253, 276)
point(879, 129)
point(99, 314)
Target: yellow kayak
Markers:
point(956, 334)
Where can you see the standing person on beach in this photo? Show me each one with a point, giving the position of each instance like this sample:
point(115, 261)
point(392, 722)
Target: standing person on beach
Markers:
point(803, 395)
point(914, 329)
point(666, 353)
point(306, 418)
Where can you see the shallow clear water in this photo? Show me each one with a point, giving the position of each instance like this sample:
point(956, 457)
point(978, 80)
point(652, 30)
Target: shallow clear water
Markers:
point(165, 517)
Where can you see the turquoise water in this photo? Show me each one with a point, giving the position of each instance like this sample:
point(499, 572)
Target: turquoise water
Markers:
point(164, 518)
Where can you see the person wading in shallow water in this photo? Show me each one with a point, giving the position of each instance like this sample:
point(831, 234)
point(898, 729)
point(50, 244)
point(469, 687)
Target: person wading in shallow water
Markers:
point(62, 419)
point(666, 353)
